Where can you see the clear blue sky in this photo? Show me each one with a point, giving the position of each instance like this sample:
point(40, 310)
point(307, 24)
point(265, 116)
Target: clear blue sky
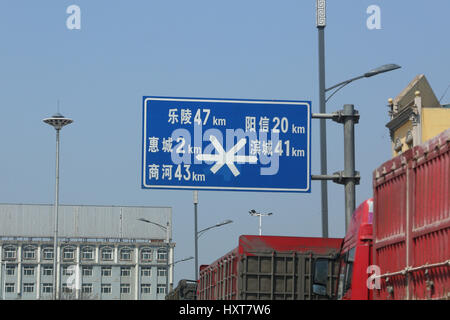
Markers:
point(254, 49)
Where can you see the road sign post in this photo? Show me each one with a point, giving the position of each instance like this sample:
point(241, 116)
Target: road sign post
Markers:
point(349, 177)
point(224, 144)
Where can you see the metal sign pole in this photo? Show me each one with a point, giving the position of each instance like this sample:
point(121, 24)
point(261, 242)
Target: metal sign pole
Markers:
point(196, 233)
point(349, 162)
point(349, 177)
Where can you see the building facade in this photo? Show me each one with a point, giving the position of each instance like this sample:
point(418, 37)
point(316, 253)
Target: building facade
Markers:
point(416, 115)
point(103, 252)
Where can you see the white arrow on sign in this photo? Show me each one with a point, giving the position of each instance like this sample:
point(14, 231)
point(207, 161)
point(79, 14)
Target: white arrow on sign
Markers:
point(227, 158)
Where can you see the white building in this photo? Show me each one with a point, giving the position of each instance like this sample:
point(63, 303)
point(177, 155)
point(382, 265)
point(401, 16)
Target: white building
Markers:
point(104, 252)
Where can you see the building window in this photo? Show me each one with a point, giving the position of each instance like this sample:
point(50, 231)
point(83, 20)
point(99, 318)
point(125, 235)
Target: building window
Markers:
point(107, 254)
point(9, 253)
point(124, 288)
point(125, 254)
point(9, 287)
point(146, 272)
point(28, 287)
point(145, 288)
point(29, 253)
point(87, 271)
point(162, 272)
point(66, 288)
point(10, 270)
point(161, 288)
point(146, 254)
point(47, 270)
point(47, 254)
point(106, 271)
point(106, 288)
point(86, 288)
point(162, 254)
point(67, 271)
point(68, 253)
point(28, 270)
point(125, 271)
point(87, 253)
point(47, 288)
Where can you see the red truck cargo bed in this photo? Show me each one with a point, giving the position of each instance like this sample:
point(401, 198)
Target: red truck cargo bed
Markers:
point(412, 222)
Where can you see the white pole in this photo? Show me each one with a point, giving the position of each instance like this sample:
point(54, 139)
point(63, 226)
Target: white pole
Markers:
point(260, 224)
point(55, 239)
point(195, 194)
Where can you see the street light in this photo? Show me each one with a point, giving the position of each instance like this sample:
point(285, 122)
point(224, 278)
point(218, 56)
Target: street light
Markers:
point(198, 234)
point(323, 151)
point(260, 215)
point(168, 237)
point(57, 121)
point(165, 228)
point(371, 73)
point(173, 263)
point(337, 87)
point(181, 260)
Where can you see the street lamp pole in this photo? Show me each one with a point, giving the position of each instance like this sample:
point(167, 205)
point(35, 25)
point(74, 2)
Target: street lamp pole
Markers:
point(260, 215)
point(321, 23)
point(58, 122)
point(55, 237)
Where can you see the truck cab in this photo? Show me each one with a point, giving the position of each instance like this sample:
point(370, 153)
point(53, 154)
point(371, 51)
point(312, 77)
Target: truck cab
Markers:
point(355, 256)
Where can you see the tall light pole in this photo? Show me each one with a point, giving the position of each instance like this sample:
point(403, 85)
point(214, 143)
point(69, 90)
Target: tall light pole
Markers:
point(260, 215)
point(57, 121)
point(320, 24)
point(168, 239)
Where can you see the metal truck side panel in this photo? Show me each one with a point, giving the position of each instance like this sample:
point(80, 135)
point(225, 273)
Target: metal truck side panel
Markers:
point(412, 222)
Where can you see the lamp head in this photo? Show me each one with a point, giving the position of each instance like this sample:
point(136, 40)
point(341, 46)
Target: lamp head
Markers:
point(382, 69)
point(58, 121)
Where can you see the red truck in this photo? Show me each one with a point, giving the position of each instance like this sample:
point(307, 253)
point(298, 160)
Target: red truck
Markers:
point(398, 245)
point(272, 268)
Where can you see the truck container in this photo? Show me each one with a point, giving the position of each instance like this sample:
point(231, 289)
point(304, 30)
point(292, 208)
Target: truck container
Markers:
point(411, 226)
point(272, 268)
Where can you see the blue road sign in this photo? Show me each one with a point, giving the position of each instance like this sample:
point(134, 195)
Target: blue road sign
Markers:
point(223, 144)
